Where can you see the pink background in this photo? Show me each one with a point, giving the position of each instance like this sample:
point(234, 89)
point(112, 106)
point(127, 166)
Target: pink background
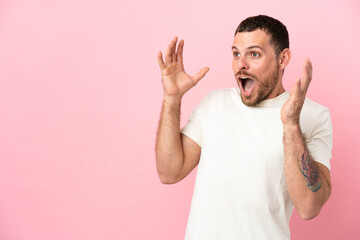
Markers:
point(80, 97)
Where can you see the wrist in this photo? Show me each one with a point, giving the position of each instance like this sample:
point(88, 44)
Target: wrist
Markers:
point(172, 99)
point(291, 126)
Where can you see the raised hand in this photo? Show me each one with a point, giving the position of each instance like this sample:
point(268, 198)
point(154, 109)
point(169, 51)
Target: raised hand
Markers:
point(176, 81)
point(290, 112)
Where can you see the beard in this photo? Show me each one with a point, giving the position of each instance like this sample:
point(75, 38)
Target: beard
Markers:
point(264, 88)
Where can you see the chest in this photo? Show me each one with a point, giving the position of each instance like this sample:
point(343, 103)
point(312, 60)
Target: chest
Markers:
point(242, 145)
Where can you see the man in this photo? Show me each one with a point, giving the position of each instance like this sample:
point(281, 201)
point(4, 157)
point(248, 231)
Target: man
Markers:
point(258, 156)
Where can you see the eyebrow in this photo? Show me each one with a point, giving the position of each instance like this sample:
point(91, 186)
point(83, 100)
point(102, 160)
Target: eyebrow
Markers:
point(251, 47)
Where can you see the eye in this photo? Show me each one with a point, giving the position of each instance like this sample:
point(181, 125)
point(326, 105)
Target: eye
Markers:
point(255, 54)
point(236, 54)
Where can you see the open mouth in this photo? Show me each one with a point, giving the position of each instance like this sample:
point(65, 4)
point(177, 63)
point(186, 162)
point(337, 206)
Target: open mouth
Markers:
point(246, 84)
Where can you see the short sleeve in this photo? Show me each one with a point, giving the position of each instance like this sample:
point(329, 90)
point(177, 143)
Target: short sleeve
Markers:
point(194, 129)
point(320, 141)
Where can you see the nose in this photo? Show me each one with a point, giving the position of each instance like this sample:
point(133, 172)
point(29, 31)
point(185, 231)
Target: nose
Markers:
point(242, 63)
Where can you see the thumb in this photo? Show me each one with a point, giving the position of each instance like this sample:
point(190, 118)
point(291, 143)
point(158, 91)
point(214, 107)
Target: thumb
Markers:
point(200, 74)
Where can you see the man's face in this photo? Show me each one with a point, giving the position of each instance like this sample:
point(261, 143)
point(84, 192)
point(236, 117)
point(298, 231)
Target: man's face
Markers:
point(256, 67)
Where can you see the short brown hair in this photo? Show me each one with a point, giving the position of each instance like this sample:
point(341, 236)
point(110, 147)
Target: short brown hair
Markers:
point(277, 30)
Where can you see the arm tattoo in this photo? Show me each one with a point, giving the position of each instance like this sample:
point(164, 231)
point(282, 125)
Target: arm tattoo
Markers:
point(310, 172)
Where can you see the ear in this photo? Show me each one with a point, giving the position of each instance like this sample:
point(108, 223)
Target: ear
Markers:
point(284, 58)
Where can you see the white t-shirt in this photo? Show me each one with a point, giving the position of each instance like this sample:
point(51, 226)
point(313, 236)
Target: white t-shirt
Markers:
point(240, 189)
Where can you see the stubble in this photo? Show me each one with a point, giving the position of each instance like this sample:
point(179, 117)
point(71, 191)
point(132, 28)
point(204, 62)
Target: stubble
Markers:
point(265, 88)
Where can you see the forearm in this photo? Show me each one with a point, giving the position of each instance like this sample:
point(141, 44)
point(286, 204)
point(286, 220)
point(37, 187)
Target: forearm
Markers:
point(308, 188)
point(169, 151)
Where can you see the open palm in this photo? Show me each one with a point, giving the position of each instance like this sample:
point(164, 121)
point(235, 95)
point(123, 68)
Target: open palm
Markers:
point(290, 112)
point(176, 81)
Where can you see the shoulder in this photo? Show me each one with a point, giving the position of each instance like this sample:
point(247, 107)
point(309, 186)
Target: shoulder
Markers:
point(314, 117)
point(313, 109)
point(215, 100)
point(224, 94)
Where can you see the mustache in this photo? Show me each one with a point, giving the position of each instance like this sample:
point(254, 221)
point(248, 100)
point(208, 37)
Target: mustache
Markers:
point(244, 73)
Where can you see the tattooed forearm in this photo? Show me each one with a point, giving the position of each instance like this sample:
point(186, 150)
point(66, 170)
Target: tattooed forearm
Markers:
point(310, 172)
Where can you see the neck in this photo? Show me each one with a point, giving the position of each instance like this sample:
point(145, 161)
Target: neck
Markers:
point(281, 90)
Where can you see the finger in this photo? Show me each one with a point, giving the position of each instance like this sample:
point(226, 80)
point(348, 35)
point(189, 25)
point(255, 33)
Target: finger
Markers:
point(200, 74)
point(170, 51)
point(179, 53)
point(161, 63)
point(307, 75)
